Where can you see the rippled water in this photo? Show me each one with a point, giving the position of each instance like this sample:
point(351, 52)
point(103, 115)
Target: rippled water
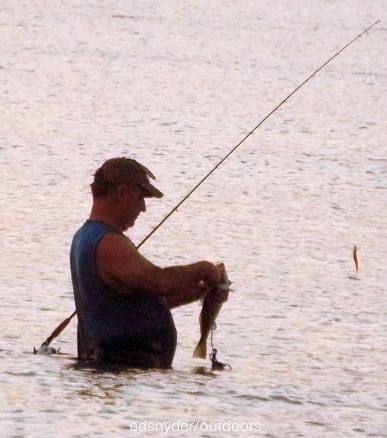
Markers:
point(176, 85)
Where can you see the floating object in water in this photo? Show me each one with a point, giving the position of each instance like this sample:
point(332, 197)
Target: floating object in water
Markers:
point(212, 304)
point(355, 259)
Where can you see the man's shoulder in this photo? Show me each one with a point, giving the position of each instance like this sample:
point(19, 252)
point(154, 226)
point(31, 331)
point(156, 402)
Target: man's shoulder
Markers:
point(116, 243)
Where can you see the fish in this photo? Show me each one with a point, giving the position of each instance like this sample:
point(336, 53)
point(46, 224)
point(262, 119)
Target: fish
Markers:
point(212, 304)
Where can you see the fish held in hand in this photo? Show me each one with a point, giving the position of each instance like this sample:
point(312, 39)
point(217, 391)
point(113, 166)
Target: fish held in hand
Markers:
point(212, 304)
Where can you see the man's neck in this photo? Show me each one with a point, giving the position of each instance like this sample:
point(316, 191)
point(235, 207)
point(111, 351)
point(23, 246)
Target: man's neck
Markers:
point(103, 213)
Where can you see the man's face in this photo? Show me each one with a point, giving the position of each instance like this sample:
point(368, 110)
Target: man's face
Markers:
point(132, 200)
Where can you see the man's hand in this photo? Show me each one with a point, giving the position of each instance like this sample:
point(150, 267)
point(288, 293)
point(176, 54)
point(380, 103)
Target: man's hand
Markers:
point(219, 293)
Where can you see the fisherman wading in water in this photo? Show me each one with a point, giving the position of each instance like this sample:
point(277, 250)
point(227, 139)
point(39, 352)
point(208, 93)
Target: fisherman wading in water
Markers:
point(123, 300)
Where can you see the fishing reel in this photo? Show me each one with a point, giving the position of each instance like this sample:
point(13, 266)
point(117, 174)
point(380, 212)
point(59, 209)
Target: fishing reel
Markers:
point(45, 349)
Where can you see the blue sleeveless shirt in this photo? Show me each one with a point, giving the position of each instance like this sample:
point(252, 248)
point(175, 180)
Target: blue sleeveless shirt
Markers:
point(134, 329)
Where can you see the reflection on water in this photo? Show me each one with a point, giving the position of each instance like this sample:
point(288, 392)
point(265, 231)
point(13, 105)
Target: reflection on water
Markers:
point(176, 86)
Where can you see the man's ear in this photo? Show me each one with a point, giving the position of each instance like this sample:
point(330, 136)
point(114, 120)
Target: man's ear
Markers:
point(121, 192)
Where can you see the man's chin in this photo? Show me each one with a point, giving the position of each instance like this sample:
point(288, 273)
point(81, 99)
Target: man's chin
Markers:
point(126, 226)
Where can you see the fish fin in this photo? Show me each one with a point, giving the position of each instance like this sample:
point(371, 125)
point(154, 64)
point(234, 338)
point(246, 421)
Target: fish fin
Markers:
point(200, 350)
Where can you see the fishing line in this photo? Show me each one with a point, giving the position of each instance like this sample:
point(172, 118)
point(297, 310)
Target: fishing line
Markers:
point(63, 324)
point(254, 129)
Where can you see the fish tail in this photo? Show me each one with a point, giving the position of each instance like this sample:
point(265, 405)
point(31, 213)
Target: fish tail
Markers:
point(201, 349)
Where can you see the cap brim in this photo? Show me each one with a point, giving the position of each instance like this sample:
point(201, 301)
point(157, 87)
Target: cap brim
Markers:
point(151, 191)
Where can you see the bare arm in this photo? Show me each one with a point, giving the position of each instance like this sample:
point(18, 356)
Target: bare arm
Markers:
point(121, 265)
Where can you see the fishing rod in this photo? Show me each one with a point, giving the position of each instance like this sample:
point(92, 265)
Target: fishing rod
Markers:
point(255, 128)
point(58, 330)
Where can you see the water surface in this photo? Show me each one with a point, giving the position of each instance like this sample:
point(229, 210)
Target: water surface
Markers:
point(176, 85)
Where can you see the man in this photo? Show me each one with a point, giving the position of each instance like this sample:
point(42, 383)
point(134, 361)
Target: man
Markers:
point(123, 300)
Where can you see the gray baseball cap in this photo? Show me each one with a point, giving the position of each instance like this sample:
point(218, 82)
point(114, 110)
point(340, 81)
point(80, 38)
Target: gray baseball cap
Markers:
point(126, 171)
